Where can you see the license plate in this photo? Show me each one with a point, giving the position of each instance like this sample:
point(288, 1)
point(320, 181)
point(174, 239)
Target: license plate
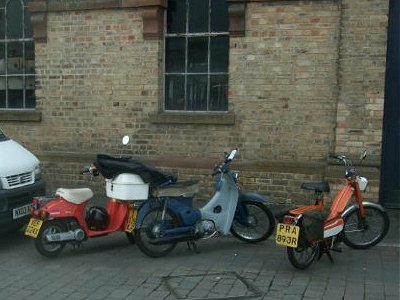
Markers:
point(21, 211)
point(33, 227)
point(287, 235)
point(131, 222)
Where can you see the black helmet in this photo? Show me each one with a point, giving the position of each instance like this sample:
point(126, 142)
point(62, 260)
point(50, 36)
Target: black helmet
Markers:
point(96, 218)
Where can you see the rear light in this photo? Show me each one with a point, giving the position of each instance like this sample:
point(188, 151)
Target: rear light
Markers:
point(290, 220)
point(40, 214)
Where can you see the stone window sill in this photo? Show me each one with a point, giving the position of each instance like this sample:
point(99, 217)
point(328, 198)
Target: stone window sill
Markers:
point(20, 115)
point(193, 118)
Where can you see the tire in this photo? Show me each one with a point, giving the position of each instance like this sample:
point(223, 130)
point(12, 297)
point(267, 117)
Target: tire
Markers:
point(149, 232)
point(302, 257)
point(362, 235)
point(131, 237)
point(50, 249)
point(260, 223)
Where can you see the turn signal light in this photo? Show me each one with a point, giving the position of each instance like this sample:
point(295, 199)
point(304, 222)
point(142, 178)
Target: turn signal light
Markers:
point(43, 215)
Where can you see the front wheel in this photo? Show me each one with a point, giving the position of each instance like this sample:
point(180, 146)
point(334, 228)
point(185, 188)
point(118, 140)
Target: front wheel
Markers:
point(253, 223)
point(42, 245)
point(151, 232)
point(302, 257)
point(362, 233)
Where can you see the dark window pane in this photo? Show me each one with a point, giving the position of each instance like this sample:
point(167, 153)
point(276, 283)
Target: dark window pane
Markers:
point(2, 25)
point(15, 92)
point(2, 59)
point(219, 92)
point(198, 54)
point(27, 25)
point(2, 99)
point(174, 92)
point(15, 99)
point(219, 54)
point(219, 16)
point(14, 19)
point(30, 100)
point(176, 16)
point(2, 92)
point(15, 62)
point(3, 3)
point(197, 92)
point(198, 16)
point(29, 58)
point(175, 55)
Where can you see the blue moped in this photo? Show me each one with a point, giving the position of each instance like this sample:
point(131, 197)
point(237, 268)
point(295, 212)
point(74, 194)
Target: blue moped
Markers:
point(168, 216)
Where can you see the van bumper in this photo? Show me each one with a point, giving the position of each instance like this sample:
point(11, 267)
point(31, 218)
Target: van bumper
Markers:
point(16, 198)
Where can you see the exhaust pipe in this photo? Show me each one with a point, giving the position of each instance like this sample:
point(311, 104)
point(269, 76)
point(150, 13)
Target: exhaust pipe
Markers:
point(75, 235)
point(176, 238)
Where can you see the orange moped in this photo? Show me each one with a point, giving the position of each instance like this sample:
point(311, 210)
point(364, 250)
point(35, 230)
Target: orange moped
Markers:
point(312, 230)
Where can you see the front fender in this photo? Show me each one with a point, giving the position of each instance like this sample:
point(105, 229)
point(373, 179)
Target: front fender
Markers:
point(251, 196)
point(354, 207)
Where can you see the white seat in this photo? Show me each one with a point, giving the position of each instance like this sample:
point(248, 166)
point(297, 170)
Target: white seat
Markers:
point(76, 196)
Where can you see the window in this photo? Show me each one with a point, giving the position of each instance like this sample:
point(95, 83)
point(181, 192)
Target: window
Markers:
point(196, 56)
point(17, 64)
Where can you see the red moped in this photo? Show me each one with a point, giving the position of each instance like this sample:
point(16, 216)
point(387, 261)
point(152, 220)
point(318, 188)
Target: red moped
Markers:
point(67, 217)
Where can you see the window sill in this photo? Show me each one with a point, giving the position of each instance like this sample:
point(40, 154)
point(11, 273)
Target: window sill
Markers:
point(193, 118)
point(20, 115)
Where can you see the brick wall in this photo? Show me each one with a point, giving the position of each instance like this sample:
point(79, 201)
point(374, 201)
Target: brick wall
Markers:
point(304, 81)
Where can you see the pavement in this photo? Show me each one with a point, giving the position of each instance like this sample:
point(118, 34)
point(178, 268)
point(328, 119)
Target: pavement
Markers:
point(225, 268)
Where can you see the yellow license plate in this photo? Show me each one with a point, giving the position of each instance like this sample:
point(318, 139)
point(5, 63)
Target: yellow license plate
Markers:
point(287, 235)
point(131, 222)
point(33, 227)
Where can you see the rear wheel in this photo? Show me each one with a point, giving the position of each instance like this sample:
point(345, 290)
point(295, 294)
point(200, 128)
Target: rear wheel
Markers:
point(302, 257)
point(257, 224)
point(362, 233)
point(42, 245)
point(151, 230)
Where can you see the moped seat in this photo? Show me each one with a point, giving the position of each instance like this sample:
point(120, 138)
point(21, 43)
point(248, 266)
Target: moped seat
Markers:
point(76, 196)
point(321, 187)
point(178, 189)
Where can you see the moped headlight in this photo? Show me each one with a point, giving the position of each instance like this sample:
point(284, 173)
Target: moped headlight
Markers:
point(38, 173)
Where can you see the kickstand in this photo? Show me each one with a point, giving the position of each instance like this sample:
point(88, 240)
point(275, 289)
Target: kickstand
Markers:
point(325, 250)
point(192, 246)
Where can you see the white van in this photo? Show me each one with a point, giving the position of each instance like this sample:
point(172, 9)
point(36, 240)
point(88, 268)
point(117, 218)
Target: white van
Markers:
point(20, 180)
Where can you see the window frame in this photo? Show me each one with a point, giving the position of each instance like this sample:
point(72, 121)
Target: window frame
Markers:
point(24, 74)
point(186, 36)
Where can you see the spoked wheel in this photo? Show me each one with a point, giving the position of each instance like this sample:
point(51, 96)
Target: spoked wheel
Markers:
point(256, 226)
point(302, 257)
point(43, 246)
point(151, 231)
point(359, 233)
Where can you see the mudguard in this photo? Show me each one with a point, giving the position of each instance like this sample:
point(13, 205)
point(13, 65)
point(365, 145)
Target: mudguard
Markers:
point(354, 207)
point(181, 207)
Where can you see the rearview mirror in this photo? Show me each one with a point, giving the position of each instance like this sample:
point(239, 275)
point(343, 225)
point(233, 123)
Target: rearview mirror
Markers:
point(363, 155)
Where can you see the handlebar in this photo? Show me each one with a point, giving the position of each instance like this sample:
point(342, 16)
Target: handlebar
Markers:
point(347, 162)
point(92, 170)
point(224, 166)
